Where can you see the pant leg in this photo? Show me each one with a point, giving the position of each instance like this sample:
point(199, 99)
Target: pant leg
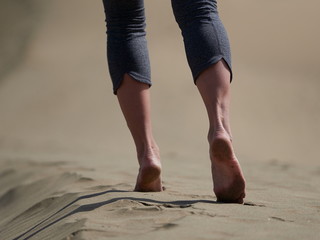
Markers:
point(126, 41)
point(205, 39)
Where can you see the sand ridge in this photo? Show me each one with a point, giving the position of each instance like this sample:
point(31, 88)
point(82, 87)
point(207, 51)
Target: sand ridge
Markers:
point(71, 205)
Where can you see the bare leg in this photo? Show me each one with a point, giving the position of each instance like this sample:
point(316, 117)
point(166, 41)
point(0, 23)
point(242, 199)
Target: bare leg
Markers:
point(214, 87)
point(134, 99)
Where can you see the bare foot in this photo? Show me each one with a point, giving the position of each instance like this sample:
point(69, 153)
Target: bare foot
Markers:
point(149, 176)
point(229, 182)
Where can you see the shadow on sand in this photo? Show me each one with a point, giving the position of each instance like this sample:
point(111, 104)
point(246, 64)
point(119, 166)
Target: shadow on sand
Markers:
point(93, 206)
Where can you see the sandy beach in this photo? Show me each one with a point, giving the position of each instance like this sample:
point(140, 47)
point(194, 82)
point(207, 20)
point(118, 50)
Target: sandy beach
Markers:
point(67, 160)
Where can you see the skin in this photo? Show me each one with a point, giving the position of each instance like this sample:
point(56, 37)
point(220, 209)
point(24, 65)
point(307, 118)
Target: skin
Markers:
point(214, 87)
point(134, 100)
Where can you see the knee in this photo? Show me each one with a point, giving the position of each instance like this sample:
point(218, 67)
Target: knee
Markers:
point(125, 19)
point(187, 12)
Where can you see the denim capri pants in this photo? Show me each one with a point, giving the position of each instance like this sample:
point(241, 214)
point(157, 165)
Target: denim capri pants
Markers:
point(205, 38)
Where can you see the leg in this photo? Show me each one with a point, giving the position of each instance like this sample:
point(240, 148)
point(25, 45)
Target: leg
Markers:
point(130, 73)
point(208, 53)
point(134, 99)
point(214, 87)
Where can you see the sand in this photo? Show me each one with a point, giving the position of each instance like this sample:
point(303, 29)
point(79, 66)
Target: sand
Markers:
point(67, 162)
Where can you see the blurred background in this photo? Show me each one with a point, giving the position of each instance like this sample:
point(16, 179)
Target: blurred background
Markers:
point(56, 98)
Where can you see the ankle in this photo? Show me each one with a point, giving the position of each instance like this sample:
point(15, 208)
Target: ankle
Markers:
point(218, 133)
point(148, 152)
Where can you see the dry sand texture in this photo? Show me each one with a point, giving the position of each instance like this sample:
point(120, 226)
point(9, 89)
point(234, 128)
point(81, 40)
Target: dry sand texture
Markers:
point(67, 166)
